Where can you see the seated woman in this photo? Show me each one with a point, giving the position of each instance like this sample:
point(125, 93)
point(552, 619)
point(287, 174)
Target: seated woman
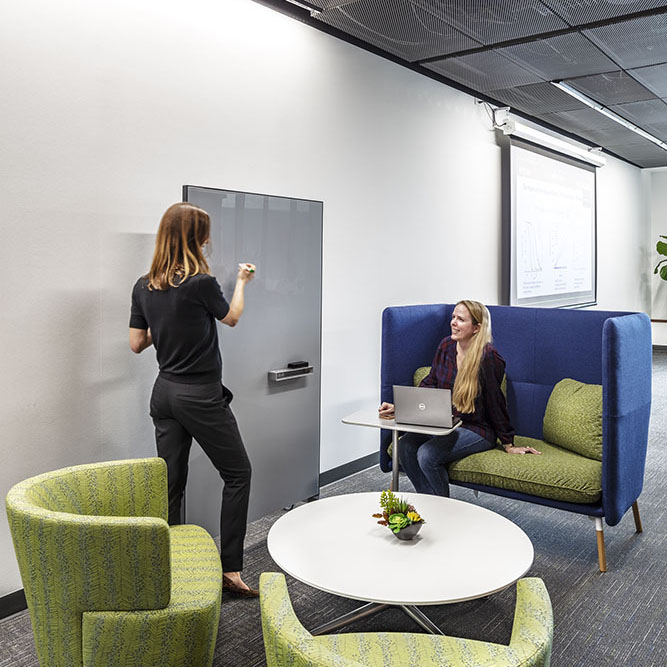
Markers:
point(467, 363)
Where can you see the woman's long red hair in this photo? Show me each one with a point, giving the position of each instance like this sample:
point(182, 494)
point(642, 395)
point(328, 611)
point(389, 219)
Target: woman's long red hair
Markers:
point(183, 230)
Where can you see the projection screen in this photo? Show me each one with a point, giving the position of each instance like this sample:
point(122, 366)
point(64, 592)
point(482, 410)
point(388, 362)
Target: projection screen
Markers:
point(552, 245)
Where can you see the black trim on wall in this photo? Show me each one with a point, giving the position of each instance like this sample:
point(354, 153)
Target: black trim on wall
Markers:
point(12, 603)
point(350, 468)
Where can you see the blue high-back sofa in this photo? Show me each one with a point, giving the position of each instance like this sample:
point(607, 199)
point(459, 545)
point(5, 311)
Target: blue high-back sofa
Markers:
point(542, 346)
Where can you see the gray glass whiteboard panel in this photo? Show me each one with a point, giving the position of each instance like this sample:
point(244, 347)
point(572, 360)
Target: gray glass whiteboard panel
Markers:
point(279, 420)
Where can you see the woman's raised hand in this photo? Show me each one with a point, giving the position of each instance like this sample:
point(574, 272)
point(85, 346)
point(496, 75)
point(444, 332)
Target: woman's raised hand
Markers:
point(386, 411)
point(246, 271)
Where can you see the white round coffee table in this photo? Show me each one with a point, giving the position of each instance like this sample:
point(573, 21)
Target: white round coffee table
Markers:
point(462, 552)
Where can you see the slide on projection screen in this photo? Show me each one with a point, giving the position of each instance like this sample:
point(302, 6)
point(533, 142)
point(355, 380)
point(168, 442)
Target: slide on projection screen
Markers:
point(552, 249)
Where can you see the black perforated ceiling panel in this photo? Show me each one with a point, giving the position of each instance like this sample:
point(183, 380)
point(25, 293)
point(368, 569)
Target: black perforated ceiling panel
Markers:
point(616, 135)
point(490, 22)
point(399, 27)
point(650, 115)
point(578, 12)
point(647, 111)
point(654, 78)
point(633, 43)
point(560, 57)
point(613, 51)
point(580, 120)
point(484, 71)
point(643, 154)
point(611, 88)
point(536, 99)
point(330, 4)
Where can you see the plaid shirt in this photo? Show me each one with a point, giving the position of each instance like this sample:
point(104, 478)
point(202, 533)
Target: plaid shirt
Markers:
point(490, 418)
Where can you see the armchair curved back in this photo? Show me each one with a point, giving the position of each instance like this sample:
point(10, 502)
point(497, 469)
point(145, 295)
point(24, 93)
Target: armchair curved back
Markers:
point(287, 642)
point(88, 538)
point(532, 632)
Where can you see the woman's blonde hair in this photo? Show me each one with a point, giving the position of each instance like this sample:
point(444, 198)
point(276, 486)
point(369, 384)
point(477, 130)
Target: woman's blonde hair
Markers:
point(467, 386)
point(183, 230)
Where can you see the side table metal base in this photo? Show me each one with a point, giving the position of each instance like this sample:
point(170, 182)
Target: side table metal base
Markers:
point(372, 608)
point(421, 619)
point(356, 614)
point(394, 461)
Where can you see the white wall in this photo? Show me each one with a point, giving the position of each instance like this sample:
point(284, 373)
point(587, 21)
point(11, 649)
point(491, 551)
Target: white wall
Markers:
point(657, 184)
point(109, 108)
point(623, 232)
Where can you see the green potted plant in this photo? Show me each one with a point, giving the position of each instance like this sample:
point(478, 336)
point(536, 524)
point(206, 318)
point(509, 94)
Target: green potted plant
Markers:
point(399, 516)
point(661, 247)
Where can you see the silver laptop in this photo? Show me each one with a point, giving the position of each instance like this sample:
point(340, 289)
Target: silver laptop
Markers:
point(423, 406)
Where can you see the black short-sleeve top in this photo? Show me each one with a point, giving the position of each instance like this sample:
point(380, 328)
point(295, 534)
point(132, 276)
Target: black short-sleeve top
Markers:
point(182, 321)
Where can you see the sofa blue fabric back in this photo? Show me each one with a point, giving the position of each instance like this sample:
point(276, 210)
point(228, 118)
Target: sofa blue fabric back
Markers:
point(626, 409)
point(542, 346)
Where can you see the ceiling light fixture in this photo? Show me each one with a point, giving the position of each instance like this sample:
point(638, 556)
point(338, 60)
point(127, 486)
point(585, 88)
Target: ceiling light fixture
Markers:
point(573, 92)
point(304, 4)
point(511, 127)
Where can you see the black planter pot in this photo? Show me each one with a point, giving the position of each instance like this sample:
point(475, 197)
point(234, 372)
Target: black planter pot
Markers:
point(409, 532)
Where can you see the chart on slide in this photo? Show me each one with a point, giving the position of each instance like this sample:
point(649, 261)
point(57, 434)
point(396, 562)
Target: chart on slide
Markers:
point(554, 222)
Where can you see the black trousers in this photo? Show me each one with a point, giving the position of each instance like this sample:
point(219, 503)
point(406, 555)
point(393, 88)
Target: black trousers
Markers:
point(181, 412)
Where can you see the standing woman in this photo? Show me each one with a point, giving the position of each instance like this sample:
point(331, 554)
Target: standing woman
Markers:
point(175, 308)
point(467, 363)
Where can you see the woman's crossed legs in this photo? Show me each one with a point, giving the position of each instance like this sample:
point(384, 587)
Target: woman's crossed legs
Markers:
point(424, 457)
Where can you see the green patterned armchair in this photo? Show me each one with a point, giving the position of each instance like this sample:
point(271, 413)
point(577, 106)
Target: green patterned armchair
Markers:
point(288, 643)
point(108, 582)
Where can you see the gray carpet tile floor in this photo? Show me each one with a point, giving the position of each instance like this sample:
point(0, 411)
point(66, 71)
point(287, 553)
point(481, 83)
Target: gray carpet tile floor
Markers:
point(617, 618)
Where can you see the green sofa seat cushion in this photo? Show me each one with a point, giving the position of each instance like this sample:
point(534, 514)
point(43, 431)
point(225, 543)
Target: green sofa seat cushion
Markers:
point(573, 418)
point(557, 473)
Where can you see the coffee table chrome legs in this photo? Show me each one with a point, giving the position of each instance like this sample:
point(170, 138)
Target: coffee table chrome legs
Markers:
point(394, 460)
point(371, 608)
point(421, 619)
point(354, 615)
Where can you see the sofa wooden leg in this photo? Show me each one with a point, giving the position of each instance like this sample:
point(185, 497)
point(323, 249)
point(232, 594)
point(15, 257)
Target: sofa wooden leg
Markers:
point(638, 519)
point(602, 556)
